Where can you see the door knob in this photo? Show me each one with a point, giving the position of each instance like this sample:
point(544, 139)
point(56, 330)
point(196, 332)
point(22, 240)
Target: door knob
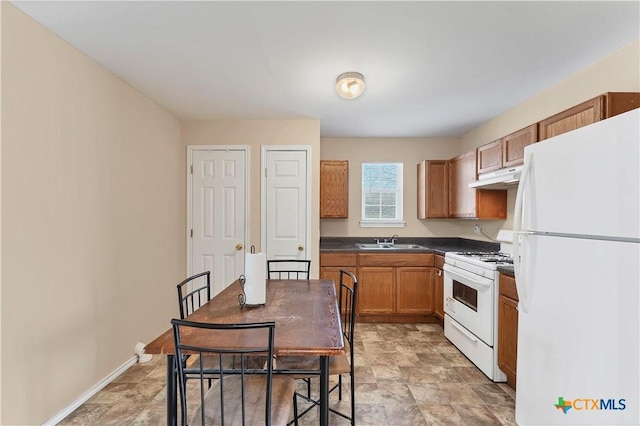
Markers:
point(300, 247)
point(238, 247)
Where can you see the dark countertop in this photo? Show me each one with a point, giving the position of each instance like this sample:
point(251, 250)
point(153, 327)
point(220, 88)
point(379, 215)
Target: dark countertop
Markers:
point(507, 270)
point(433, 245)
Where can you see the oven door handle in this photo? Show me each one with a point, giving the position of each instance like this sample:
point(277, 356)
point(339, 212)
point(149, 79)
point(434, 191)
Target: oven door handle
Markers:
point(466, 278)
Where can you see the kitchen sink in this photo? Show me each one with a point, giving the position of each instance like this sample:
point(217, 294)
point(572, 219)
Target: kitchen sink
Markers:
point(383, 246)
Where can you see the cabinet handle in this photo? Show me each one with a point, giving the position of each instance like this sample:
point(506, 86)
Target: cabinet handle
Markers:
point(439, 272)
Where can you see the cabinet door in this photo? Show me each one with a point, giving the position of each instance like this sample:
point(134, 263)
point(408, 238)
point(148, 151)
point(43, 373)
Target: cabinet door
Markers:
point(620, 102)
point(462, 199)
point(415, 290)
point(580, 115)
point(514, 144)
point(490, 157)
point(596, 109)
point(333, 273)
point(334, 189)
point(332, 263)
point(433, 189)
point(508, 337)
point(438, 301)
point(376, 290)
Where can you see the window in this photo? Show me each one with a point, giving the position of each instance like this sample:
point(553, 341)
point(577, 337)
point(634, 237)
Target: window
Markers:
point(382, 195)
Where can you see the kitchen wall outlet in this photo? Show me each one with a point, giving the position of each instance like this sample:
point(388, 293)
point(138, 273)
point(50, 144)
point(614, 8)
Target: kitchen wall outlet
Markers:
point(477, 229)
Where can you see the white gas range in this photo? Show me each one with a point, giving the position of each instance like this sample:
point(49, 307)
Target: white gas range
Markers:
point(471, 307)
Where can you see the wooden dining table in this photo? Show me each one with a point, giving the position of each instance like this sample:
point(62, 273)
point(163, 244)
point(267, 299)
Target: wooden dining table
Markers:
point(307, 322)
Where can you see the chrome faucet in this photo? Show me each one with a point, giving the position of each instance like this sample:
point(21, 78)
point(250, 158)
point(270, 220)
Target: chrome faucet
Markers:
point(391, 240)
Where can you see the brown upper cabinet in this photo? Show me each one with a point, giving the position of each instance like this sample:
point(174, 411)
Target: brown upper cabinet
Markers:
point(513, 145)
point(490, 157)
point(596, 109)
point(334, 189)
point(465, 202)
point(507, 151)
point(462, 171)
point(433, 189)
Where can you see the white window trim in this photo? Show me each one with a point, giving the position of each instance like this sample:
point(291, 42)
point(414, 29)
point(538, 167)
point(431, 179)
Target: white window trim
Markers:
point(383, 224)
point(377, 223)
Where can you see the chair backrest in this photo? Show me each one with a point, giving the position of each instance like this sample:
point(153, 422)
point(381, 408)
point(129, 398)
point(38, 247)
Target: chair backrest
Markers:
point(209, 404)
point(193, 293)
point(288, 269)
point(348, 291)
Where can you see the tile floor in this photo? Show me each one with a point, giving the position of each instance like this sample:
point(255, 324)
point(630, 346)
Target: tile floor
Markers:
point(406, 374)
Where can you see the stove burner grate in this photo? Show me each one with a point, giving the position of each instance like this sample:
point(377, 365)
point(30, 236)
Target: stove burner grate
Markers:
point(489, 257)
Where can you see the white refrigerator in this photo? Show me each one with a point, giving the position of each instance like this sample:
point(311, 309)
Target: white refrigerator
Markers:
point(577, 265)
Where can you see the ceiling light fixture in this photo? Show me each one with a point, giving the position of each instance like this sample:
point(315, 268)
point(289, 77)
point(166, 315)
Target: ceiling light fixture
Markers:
point(350, 85)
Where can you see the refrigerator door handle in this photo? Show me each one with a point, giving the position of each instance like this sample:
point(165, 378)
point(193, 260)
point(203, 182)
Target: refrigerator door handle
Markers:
point(518, 234)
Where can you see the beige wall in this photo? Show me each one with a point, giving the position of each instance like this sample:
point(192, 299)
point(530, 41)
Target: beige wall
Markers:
point(92, 221)
point(255, 134)
point(409, 151)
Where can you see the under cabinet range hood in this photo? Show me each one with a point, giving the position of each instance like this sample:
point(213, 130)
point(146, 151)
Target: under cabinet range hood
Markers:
point(500, 179)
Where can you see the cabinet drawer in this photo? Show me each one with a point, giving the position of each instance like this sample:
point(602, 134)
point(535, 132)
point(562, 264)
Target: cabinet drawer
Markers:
point(396, 259)
point(338, 259)
point(439, 261)
point(508, 287)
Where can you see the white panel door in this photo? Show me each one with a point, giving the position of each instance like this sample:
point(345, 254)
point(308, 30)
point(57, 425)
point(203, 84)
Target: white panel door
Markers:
point(218, 187)
point(286, 206)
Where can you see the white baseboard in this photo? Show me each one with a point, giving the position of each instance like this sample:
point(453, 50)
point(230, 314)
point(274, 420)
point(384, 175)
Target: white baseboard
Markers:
point(88, 394)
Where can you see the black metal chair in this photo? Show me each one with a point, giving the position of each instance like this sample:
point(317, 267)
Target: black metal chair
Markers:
point(291, 269)
point(191, 299)
point(338, 365)
point(288, 269)
point(194, 292)
point(342, 365)
point(241, 395)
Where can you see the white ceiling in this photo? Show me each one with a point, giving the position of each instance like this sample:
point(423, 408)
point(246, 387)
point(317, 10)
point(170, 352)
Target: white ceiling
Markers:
point(431, 68)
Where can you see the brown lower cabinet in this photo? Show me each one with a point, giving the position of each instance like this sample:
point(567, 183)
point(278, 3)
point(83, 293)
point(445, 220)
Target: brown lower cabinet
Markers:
point(332, 263)
point(376, 291)
point(508, 328)
point(438, 279)
point(414, 290)
point(392, 287)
